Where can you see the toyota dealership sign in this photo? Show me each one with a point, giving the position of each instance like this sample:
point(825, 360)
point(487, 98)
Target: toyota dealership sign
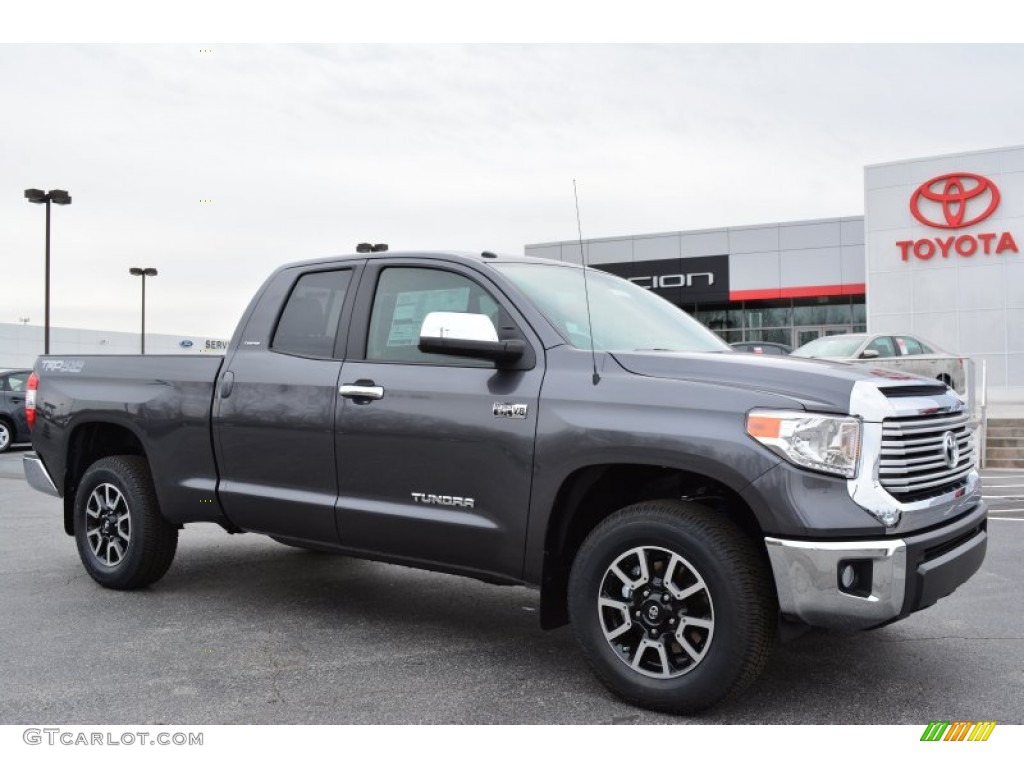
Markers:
point(955, 201)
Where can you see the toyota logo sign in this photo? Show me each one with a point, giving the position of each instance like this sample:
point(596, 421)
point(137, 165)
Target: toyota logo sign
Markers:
point(944, 202)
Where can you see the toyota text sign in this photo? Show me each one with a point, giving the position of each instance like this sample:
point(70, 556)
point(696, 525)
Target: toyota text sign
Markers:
point(955, 201)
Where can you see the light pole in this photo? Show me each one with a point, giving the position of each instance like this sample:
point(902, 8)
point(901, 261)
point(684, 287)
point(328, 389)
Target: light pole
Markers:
point(60, 197)
point(143, 272)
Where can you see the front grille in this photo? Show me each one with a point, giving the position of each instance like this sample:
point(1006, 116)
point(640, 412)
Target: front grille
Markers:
point(914, 463)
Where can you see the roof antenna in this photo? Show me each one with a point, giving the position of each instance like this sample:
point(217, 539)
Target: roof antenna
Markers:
point(586, 289)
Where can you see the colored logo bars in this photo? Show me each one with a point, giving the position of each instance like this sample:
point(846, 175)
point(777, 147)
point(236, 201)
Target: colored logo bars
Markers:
point(959, 730)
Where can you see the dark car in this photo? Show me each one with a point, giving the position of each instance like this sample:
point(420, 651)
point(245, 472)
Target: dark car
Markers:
point(13, 427)
point(762, 347)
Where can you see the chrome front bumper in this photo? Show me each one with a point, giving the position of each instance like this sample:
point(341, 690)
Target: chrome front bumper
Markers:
point(807, 581)
point(37, 476)
point(894, 576)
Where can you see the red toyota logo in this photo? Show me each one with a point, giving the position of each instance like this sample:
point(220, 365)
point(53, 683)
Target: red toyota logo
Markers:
point(950, 196)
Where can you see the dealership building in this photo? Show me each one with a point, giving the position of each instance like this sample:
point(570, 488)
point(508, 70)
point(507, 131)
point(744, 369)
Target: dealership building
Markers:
point(936, 254)
point(21, 343)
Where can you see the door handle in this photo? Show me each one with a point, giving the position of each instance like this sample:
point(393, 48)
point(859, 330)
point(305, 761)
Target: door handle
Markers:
point(361, 390)
point(227, 383)
point(17, 399)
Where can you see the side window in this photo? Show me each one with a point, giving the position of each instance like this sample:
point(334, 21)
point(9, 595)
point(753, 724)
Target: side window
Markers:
point(909, 346)
point(309, 322)
point(16, 382)
point(405, 295)
point(883, 345)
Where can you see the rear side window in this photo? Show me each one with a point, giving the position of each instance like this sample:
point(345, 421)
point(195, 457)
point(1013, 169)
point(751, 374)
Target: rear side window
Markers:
point(909, 346)
point(309, 322)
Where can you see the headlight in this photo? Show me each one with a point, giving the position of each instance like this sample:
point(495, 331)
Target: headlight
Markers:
point(823, 443)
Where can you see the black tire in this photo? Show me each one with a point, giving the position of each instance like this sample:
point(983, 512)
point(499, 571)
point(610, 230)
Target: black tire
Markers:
point(945, 380)
point(6, 436)
point(122, 539)
point(733, 616)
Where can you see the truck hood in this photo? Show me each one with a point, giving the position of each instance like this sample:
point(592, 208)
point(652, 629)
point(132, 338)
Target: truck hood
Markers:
point(821, 385)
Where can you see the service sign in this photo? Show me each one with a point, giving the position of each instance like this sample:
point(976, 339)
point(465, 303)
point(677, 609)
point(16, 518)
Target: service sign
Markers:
point(952, 202)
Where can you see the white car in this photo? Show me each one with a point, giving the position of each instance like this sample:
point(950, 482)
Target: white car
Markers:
point(910, 354)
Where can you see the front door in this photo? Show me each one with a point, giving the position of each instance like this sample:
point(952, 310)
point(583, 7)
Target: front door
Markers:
point(429, 469)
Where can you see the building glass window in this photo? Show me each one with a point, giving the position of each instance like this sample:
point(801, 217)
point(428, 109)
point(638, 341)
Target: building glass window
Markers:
point(823, 310)
point(777, 319)
point(769, 314)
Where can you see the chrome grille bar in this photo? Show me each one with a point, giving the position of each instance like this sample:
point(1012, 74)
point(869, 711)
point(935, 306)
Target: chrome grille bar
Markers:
point(913, 462)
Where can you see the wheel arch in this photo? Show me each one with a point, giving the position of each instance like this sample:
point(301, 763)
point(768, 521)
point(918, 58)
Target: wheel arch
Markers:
point(88, 443)
point(592, 493)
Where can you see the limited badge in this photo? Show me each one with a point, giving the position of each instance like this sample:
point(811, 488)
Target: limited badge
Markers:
point(510, 410)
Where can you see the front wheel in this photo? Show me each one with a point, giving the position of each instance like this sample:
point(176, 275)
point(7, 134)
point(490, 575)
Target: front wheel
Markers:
point(672, 606)
point(123, 541)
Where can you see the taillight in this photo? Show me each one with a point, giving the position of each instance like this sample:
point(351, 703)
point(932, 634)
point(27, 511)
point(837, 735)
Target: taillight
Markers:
point(30, 400)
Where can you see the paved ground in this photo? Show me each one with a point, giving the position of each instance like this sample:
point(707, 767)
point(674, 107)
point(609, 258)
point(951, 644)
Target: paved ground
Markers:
point(244, 630)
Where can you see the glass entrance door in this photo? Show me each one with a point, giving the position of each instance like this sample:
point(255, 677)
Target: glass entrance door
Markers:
point(805, 333)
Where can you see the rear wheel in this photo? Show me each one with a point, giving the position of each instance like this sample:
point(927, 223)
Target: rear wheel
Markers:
point(672, 606)
point(6, 435)
point(123, 541)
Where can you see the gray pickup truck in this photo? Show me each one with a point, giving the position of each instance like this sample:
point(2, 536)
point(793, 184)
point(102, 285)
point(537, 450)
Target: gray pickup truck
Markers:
point(682, 505)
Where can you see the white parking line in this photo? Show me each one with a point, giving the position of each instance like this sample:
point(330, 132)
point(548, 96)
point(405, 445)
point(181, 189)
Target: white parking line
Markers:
point(1013, 496)
point(1018, 519)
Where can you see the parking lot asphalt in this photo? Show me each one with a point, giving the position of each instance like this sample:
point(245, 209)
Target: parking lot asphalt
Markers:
point(245, 630)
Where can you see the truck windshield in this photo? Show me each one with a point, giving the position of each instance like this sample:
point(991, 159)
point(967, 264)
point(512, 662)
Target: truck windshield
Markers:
point(625, 316)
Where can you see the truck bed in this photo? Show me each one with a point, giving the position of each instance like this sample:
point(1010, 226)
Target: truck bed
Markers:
point(160, 404)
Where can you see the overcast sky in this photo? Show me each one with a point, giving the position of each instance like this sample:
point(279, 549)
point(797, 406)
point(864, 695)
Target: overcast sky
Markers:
point(305, 151)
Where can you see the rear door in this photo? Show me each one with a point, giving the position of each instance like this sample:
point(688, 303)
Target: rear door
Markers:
point(275, 407)
point(438, 468)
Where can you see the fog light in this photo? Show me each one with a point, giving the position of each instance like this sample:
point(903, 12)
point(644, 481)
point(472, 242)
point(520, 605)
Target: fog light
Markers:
point(848, 577)
point(855, 577)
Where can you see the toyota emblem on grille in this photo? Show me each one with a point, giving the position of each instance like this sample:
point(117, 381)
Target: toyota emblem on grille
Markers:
point(950, 450)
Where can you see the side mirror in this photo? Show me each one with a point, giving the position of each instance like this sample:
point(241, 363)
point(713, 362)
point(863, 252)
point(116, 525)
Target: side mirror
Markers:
point(869, 354)
point(464, 334)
